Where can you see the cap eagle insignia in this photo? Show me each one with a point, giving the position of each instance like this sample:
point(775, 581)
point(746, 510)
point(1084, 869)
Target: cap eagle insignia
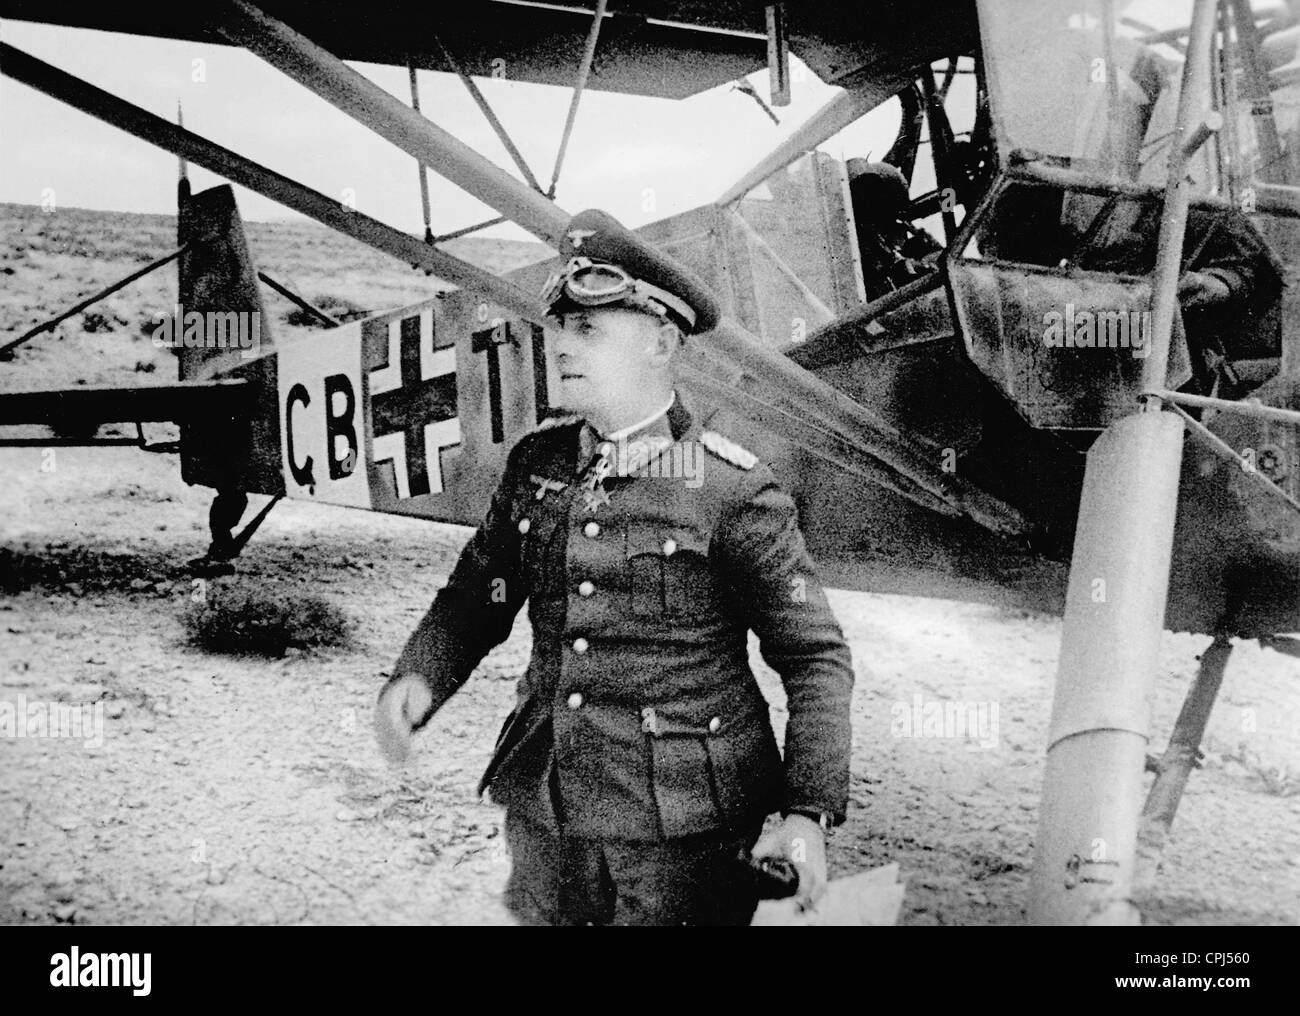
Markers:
point(576, 236)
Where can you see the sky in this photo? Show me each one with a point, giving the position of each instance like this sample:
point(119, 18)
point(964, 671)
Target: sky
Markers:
point(641, 159)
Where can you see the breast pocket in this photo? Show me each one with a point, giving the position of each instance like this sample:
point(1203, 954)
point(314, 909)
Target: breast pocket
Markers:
point(668, 569)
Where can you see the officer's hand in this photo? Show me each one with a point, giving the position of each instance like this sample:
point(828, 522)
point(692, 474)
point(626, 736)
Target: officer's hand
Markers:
point(799, 839)
point(1198, 289)
point(401, 706)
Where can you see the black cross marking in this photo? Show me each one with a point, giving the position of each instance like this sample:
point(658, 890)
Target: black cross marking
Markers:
point(541, 393)
point(406, 409)
point(490, 340)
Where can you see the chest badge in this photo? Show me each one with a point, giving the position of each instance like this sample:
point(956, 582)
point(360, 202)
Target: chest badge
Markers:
point(593, 499)
point(593, 490)
point(544, 485)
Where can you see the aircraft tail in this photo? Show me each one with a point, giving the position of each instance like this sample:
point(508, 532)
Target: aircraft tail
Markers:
point(222, 331)
point(218, 283)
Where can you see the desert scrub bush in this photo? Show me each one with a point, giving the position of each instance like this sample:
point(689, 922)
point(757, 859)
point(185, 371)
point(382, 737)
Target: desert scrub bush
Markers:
point(28, 566)
point(264, 622)
point(96, 321)
point(338, 307)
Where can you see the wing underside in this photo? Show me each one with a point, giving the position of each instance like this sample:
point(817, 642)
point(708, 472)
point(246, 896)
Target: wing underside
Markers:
point(667, 50)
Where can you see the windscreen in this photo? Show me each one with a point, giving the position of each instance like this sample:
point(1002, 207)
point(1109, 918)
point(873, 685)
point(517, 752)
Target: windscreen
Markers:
point(1094, 82)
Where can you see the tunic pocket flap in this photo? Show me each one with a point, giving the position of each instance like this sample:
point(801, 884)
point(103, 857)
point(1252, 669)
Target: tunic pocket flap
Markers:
point(657, 725)
point(671, 720)
point(664, 541)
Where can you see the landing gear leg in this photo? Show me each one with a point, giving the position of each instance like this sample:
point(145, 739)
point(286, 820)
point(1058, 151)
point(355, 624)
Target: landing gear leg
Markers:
point(226, 511)
point(1179, 760)
point(1110, 647)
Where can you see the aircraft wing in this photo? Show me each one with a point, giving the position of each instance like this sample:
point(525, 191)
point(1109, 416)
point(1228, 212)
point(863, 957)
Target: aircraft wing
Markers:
point(664, 49)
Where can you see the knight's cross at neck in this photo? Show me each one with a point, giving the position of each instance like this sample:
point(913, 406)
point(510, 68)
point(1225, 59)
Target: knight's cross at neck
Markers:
point(648, 448)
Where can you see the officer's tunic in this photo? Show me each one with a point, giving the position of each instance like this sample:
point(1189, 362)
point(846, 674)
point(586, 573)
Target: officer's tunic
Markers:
point(639, 718)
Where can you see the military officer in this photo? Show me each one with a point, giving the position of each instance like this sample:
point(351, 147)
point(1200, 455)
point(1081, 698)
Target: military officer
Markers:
point(640, 761)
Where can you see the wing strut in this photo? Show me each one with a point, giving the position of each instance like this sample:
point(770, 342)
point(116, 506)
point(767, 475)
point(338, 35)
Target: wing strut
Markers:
point(1256, 85)
point(778, 55)
point(491, 116)
point(584, 69)
point(419, 166)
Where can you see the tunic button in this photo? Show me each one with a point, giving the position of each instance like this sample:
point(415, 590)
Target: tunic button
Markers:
point(580, 645)
point(591, 529)
point(670, 547)
point(586, 588)
point(525, 525)
point(715, 725)
point(575, 700)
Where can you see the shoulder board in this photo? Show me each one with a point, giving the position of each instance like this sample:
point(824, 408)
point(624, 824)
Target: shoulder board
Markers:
point(551, 422)
point(544, 434)
point(728, 450)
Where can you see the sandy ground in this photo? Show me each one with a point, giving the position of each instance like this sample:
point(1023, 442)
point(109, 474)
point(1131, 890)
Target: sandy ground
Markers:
point(246, 790)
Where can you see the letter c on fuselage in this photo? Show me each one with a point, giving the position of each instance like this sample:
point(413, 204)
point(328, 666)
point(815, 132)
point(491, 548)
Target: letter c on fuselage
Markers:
point(302, 475)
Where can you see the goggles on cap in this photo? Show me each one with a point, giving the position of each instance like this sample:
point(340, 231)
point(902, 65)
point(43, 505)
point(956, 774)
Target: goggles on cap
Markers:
point(591, 283)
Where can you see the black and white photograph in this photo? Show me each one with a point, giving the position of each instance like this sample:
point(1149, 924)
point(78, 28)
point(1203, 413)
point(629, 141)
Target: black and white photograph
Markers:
point(594, 463)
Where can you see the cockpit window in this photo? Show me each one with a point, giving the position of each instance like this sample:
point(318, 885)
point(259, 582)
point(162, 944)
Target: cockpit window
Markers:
point(1094, 82)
